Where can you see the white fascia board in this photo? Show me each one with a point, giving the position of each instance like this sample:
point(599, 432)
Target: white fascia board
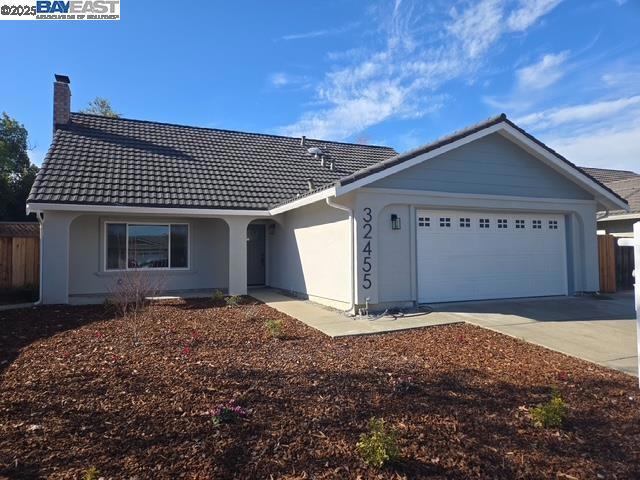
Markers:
point(623, 216)
point(115, 209)
point(573, 173)
point(314, 197)
point(342, 190)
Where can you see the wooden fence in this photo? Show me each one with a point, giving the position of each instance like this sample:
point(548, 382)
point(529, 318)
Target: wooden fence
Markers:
point(607, 263)
point(19, 261)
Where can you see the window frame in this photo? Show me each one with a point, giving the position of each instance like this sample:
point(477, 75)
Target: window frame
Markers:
point(161, 224)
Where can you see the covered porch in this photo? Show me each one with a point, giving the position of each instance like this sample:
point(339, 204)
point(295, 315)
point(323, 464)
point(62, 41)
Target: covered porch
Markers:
point(84, 255)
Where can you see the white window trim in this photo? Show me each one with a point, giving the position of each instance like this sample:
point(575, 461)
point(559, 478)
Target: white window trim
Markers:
point(160, 269)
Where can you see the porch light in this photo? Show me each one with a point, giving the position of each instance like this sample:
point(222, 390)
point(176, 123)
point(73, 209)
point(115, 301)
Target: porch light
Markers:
point(395, 222)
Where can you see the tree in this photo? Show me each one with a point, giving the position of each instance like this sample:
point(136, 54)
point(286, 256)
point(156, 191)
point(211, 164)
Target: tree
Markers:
point(17, 173)
point(101, 106)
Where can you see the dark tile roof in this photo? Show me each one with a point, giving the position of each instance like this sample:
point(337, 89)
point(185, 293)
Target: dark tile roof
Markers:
point(606, 175)
point(19, 229)
point(630, 190)
point(99, 160)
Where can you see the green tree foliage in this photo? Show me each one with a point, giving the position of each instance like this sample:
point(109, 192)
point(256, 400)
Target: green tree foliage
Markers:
point(101, 106)
point(17, 173)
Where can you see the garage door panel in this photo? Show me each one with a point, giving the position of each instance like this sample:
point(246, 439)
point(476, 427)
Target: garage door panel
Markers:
point(464, 255)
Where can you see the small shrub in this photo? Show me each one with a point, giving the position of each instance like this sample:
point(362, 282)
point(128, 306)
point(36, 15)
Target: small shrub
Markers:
point(217, 296)
point(274, 327)
point(380, 445)
point(110, 307)
point(233, 300)
point(552, 414)
point(91, 473)
point(229, 413)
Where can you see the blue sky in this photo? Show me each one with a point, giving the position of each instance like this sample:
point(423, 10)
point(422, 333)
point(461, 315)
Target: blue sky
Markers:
point(398, 73)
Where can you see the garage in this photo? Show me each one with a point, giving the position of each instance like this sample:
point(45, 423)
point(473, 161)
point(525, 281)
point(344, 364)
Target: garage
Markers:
point(471, 255)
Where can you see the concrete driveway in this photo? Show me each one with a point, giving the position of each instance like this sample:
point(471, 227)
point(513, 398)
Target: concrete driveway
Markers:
point(601, 330)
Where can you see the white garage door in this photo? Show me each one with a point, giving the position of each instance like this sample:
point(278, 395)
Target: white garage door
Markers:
point(465, 255)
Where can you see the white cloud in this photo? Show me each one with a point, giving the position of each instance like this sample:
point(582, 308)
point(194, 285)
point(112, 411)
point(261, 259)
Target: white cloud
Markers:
point(282, 79)
point(608, 147)
point(320, 33)
point(579, 113)
point(542, 74)
point(528, 12)
point(402, 79)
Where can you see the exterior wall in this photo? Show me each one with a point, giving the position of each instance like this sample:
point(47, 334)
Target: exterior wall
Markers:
point(309, 254)
point(208, 266)
point(491, 165)
point(618, 226)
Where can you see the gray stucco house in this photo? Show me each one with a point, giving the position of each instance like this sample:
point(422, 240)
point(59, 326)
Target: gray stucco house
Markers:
point(488, 212)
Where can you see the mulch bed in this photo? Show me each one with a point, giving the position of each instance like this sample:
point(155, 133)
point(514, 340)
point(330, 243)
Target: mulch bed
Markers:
point(81, 389)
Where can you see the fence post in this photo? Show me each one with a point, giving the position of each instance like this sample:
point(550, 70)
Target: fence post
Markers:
point(635, 243)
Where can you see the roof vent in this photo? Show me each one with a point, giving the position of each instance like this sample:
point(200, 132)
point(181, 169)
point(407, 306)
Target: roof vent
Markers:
point(312, 185)
point(317, 152)
point(303, 140)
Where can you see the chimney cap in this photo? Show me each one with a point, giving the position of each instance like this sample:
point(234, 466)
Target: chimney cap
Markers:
point(62, 78)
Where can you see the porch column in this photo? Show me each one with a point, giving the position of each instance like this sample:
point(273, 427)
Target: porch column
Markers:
point(54, 257)
point(237, 254)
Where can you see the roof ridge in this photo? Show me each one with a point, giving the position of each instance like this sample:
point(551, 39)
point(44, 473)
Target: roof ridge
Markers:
point(272, 135)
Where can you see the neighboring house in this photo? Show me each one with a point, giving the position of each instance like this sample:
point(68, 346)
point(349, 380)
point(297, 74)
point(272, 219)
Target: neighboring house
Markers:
point(626, 184)
point(488, 212)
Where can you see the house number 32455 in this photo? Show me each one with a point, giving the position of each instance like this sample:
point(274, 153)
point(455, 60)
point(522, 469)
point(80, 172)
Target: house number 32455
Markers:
point(366, 249)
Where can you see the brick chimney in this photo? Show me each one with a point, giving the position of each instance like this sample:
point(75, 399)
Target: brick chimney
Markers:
point(61, 101)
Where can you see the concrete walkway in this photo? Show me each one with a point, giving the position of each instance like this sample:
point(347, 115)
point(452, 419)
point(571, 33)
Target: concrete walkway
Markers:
point(336, 324)
point(600, 330)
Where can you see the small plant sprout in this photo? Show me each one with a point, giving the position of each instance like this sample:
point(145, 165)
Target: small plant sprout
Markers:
point(379, 445)
point(217, 296)
point(552, 414)
point(91, 473)
point(274, 327)
point(228, 413)
point(233, 300)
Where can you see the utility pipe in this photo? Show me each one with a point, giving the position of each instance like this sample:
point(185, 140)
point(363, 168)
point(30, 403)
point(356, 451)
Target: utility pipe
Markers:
point(352, 277)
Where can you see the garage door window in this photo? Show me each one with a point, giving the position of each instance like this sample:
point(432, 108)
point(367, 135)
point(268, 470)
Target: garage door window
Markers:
point(537, 224)
point(484, 223)
point(519, 223)
point(502, 223)
point(445, 222)
point(553, 224)
point(465, 223)
point(424, 222)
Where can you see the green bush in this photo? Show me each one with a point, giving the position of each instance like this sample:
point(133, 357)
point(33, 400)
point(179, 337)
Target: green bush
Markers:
point(552, 414)
point(91, 474)
point(217, 296)
point(233, 300)
point(380, 445)
point(274, 327)
point(110, 307)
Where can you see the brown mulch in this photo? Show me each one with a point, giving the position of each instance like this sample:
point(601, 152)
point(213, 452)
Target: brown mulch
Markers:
point(81, 389)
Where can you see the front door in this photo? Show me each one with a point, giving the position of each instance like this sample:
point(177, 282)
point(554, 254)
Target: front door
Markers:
point(256, 254)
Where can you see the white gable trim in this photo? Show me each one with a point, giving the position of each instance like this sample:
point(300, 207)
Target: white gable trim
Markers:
point(604, 196)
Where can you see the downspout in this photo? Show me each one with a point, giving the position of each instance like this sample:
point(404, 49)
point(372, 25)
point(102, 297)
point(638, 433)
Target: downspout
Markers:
point(40, 218)
point(351, 250)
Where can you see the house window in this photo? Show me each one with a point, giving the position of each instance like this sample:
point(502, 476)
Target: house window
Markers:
point(519, 223)
point(484, 223)
point(424, 222)
point(465, 223)
point(553, 224)
point(146, 246)
point(445, 221)
point(537, 224)
point(502, 223)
